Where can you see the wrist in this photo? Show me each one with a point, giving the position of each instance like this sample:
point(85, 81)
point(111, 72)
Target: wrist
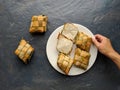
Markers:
point(113, 55)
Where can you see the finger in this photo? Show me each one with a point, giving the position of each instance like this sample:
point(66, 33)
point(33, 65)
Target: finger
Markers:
point(95, 42)
point(99, 37)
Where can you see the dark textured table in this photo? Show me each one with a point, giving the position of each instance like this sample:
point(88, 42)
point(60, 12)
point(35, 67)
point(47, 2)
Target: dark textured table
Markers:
point(100, 16)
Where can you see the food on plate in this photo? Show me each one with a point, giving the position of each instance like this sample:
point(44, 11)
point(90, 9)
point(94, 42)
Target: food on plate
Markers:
point(24, 51)
point(38, 24)
point(81, 58)
point(69, 36)
point(64, 62)
point(83, 41)
point(70, 31)
point(64, 45)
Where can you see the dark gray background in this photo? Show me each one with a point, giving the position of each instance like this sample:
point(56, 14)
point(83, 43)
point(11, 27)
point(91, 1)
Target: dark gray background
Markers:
point(100, 16)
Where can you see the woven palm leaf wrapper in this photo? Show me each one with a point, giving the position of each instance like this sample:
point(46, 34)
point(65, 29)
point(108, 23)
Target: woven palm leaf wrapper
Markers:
point(24, 51)
point(38, 24)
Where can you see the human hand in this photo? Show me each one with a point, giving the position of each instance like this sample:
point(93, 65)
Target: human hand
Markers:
point(103, 44)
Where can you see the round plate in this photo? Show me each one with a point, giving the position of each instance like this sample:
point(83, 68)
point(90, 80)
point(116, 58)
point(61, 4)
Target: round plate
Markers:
point(52, 52)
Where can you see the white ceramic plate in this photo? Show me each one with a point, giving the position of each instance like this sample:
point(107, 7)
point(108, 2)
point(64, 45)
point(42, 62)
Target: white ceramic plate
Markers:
point(52, 52)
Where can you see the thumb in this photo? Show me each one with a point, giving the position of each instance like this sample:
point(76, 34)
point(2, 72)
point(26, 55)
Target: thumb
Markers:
point(95, 42)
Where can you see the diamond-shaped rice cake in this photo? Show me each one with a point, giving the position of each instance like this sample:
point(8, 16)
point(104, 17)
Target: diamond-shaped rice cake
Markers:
point(70, 31)
point(38, 24)
point(64, 45)
point(83, 41)
point(24, 51)
point(64, 62)
point(81, 58)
